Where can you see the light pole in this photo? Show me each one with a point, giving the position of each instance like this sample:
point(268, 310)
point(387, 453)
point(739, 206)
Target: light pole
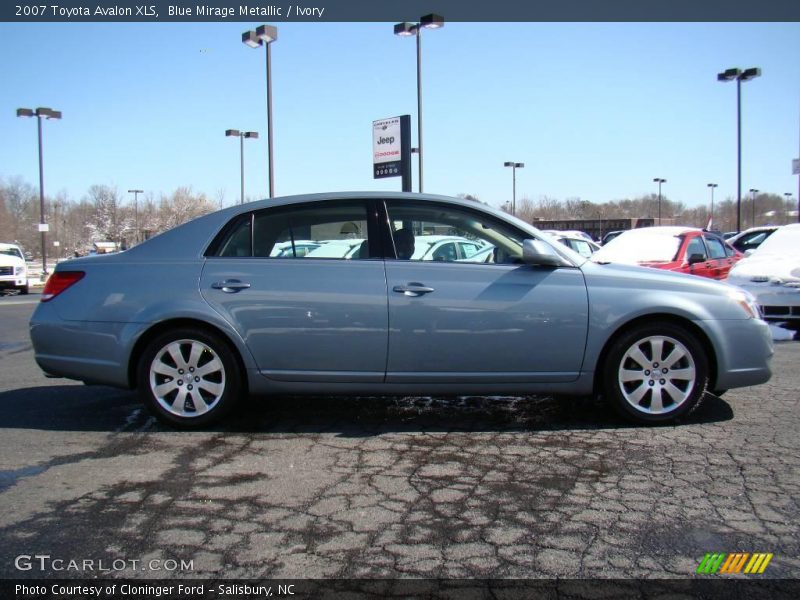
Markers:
point(136, 212)
point(241, 135)
point(739, 75)
point(264, 35)
point(659, 181)
point(753, 193)
point(406, 29)
point(514, 166)
point(47, 113)
point(711, 186)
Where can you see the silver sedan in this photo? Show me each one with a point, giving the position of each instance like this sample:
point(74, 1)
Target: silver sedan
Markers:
point(203, 315)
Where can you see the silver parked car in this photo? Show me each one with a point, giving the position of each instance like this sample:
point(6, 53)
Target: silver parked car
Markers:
point(202, 315)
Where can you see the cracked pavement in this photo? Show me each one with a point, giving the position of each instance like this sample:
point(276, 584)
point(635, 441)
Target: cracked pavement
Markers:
point(531, 487)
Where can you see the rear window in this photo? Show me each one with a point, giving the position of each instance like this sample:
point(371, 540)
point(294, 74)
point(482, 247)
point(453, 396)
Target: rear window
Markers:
point(302, 231)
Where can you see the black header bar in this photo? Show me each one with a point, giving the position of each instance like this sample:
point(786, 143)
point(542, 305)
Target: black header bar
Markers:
point(277, 11)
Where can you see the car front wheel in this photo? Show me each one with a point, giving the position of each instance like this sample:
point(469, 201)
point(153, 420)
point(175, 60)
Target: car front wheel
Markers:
point(656, 373)
point(189, 378)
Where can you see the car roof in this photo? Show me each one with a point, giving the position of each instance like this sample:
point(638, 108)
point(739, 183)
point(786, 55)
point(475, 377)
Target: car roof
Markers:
point(190, 239)
point(667, 230)
point(569, 236)
point(434, 239)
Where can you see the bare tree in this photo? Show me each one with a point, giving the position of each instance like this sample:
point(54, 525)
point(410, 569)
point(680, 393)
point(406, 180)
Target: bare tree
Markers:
point(21, 203)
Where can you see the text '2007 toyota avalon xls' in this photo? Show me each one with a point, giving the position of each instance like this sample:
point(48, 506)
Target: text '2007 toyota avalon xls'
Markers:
point(202, 315)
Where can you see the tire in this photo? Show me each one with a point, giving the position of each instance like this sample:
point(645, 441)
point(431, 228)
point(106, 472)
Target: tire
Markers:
point(24, 290)
point(211, 389)
point(656, 373)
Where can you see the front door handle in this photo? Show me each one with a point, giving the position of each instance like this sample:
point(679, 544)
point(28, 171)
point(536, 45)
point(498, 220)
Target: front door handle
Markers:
point(413, 289)
point(230, 286)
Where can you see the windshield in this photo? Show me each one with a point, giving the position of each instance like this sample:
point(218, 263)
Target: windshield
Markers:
point(11, 252)
point(638, 246)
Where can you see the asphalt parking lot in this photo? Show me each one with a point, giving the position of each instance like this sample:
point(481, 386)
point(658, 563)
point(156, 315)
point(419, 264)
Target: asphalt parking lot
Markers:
point(405, 487)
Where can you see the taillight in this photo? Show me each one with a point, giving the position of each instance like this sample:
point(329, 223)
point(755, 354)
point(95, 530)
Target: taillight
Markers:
point(58, 282)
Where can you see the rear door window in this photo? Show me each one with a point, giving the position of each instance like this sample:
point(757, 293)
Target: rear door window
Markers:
point(715, 247)
point(311, 230)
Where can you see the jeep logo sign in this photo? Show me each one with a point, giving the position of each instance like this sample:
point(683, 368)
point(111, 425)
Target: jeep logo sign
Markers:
point(386, 148)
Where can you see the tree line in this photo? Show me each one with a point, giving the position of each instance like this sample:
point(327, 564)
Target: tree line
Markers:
point(767, 209)
point(106, 214)
point(103, 214)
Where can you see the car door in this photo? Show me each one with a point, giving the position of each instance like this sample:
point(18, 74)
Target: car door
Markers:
point(717, 255)
point(466, 322)
point(303, 318)
point(696, 247)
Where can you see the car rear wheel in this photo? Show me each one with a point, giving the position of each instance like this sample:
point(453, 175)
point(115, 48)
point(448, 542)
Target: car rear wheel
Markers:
point(656, 373)
point(189, 378)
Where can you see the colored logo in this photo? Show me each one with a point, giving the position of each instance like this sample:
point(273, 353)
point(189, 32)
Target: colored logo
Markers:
point(739, 562)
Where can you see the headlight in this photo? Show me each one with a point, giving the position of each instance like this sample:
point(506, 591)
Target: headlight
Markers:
point(747, 302)
point(19, 270)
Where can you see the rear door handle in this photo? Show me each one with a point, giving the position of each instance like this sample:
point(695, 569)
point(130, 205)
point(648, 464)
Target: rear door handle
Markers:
point(230, 286)
point(413, 289)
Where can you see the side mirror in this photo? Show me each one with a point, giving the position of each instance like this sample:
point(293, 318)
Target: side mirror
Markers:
point(536, 252)
point(696, 258)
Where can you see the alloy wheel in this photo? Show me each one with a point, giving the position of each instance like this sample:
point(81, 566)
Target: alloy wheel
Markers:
point(656, 375)
point(187, 378)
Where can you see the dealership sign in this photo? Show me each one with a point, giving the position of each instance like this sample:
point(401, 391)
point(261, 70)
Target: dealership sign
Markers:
point(386, 156)
point(391, 149)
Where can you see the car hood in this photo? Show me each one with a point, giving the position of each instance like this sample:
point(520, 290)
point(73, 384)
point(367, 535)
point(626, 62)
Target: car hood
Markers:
point(6, 260)
point(767, 265)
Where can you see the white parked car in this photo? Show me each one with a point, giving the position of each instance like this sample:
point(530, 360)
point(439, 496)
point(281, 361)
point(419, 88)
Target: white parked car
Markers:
point(347, 248)
point(772, 274)
point(576, 242)
point(13, 272)
point(297, 249)
point(752, 238)
point(447, 248)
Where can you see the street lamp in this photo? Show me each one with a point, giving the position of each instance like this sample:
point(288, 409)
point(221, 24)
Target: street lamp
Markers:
point(407, 29)
point(514, 166)
point(711, 186)
point(47, 113)
point(739, 75)
point(659, 181)
point(264, 35)
point(753, 193)
point(136, 211)
point(241, 135)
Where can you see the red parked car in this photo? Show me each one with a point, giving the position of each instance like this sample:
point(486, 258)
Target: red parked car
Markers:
point(682, 249)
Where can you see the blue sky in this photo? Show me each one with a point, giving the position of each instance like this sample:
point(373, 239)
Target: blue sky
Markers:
point(594, 111)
